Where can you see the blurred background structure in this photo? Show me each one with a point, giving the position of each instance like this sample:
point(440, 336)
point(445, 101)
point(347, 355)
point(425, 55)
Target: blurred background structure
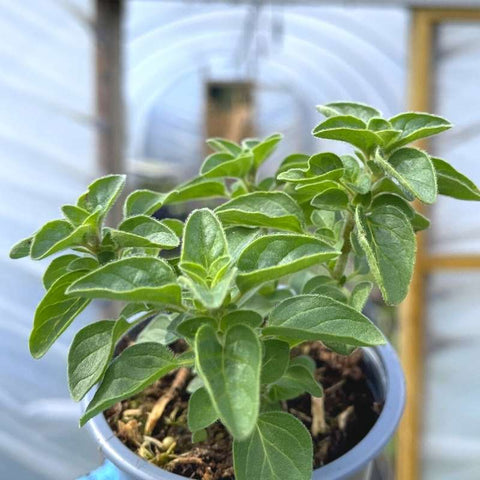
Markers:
point(95, 86)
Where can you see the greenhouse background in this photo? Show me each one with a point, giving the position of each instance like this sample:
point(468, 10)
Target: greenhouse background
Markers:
point(175, 57)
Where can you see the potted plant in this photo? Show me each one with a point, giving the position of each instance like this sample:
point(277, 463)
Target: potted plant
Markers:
point(227, 302)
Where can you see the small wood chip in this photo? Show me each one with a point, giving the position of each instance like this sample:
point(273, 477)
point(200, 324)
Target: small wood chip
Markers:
point(319, 425)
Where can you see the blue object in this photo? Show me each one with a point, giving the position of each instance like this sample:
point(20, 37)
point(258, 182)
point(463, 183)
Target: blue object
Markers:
point(108, 471)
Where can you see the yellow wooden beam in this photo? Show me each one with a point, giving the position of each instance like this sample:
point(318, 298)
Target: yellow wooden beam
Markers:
point(411, 311)
point(432, 263)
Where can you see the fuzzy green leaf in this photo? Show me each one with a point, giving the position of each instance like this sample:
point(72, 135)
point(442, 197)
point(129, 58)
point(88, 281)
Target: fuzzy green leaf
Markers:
point(360, 294)
point(414, 126)
point(323, 166)
point(454, 184)
point(159, 329)
point(394, 200)
point(55, 313)
point(134, 369)
point(75, 215)
point(412, 169)
point(296, 160)
point(348, 129)
point(201, 412)
point(213, 295)
point(144, 231)
point(241, 317)
point(238, 238)
point(90, 352)
point(359, 110)
point(332, 199)
point(231, 373)
point(102, 193)
point(224, 145)
point(296, 380)
point(189, 327)
point(143, 202)
point(273, 256)
point(197, 189)
point(280, 447)
point(315, 317)
point(133, 279)
point(227, 165)
point(262, 150)
point(204, 247)
point(22, 248)
point(263, 209)
point(276, 358)
point(57, 268)
point(388, 240)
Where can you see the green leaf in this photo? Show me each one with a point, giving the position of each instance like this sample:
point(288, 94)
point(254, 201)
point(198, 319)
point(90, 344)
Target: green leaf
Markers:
point(306, 361)
point(348, 129)
point(224, 145)
point(197, 189)
point(384, 129)
point(416, 125)
point(48, 236)
point(297, 380)
point(273, 256)
point(175, 225)
point(83, 263)
point(102, 193)
point(231, 373)
point(143, 202)
point(296, 160)
point(134, 369)
point(204, 246)
point(22, 248)
point(388, 240)
point(57, 268)
point(90, 352)
point(54, 314)
point(280, 447)
point(75, 215)
point(199, 436)
point(238, 238)
point(144, 231)
point(241, 317)
point(158, 330)
point(332, 199)
point(227, 165)
point(189, 327)
point(387, 185)
point(419, 222)
point(263, 209)
point(323, 166)
point(359, 110)
point(212, 296)
point(454, 184)
point(412, 169)
point(394, 200)
point(262, 150)
point(201, 412)
point(133, 279)
point(315, 317)
point(276, 358)
point(360, 293)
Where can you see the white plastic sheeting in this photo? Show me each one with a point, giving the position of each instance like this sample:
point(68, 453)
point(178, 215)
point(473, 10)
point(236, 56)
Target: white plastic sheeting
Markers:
point(46, 157)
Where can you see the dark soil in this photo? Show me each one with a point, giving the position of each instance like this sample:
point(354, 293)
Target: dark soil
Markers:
point(350, 412)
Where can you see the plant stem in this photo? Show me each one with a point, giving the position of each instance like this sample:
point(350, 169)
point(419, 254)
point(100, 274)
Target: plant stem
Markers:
point(341, 264)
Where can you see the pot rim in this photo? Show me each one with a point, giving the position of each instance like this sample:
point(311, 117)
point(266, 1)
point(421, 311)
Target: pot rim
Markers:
point(388, 368)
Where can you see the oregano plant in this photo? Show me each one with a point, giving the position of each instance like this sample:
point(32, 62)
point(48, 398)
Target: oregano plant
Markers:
point(278, 262)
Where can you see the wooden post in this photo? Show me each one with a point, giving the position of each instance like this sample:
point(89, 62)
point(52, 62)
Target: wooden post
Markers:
point(109, 97)
point(411, 312)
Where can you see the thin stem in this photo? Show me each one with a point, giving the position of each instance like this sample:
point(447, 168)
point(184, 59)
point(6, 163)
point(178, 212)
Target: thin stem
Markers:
point(342, 261)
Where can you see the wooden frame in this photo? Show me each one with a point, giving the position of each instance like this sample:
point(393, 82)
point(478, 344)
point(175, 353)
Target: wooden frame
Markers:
point(422, 45)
